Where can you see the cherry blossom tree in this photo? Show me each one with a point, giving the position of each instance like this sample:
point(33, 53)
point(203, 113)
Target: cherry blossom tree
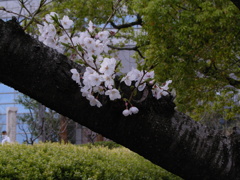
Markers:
point(90, 50)
point(158, 132)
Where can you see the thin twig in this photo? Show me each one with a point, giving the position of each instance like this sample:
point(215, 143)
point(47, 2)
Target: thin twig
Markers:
point(113, 13)
point(135, 48)
point(127, 25)
point(3, 9)
point(41, 4)
point(22, 3)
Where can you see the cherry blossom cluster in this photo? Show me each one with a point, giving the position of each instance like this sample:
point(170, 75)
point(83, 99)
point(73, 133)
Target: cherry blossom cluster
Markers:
point(48, 32)
point(90, 49)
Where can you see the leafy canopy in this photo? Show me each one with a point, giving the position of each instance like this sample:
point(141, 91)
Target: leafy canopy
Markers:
point(196, 43)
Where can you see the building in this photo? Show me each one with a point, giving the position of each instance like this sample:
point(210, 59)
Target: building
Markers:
point(7, 99)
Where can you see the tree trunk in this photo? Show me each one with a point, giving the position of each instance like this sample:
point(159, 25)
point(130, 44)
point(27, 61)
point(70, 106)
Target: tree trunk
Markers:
point(63, 129)
point(166, 137)
point(236, 3)
point(99, 138)
point(42, 124)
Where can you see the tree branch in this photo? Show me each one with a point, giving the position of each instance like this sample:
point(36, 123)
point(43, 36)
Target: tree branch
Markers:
point(166, 137)
point(135, 48)
point(233, 82)
point(115, 7)
point(127, 25)
point(237, 3)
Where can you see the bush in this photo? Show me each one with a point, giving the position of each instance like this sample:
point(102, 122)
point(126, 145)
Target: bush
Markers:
point(55, 161)
point(107, 144)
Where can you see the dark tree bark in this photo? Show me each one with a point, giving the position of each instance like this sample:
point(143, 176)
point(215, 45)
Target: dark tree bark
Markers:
point(166, 137)
point(236, 3)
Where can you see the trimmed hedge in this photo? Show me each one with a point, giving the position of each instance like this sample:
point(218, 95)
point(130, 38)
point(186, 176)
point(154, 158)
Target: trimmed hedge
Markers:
point(107, 144)
point(68, 162)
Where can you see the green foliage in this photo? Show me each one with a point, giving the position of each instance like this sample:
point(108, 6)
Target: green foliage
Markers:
point(195, 43)
point(82, 11)
point(221, 113)
point(48, 125)
point(107, 144)
point(55, 161)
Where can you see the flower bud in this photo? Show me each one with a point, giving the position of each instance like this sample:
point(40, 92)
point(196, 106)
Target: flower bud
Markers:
point(133, 110)
point(126, 112)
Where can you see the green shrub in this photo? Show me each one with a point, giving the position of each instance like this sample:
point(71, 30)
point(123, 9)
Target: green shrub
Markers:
point(69, 162)
point(107, 144)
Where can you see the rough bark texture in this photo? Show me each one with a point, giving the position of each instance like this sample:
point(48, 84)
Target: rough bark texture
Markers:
point(166, 137)
point(237, 3)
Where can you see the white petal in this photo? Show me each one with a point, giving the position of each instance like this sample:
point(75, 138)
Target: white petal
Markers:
point(126, 112)
point(134, 110)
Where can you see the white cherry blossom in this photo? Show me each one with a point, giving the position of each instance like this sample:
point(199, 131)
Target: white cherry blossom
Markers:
point(108, 66)
point(48, 17)
point(40, 28)
point(98, 47)
point(59, 48)
point(132, 75)
point(93, 101)
point(89, 71)
point(158, 92)
point(149, 75)
point(90, 27)
point(134, 110)
point(165, 87)
point(127, 80)
point(113, 94)
point(126, 112)
point(51, 30)
point(64, 39)
point(95, 79)
point(105, 46)
point(66, 22)
point(164, 93)
point(108, 80)
point(89, 42)
point(141, 86)
point(51, 42)
point(76, 40)
point(103, 35)
point(86, 90)
point(89, 60)
point(76, 76)
point(98, 89)
point(90, 48)
point(141, 77)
